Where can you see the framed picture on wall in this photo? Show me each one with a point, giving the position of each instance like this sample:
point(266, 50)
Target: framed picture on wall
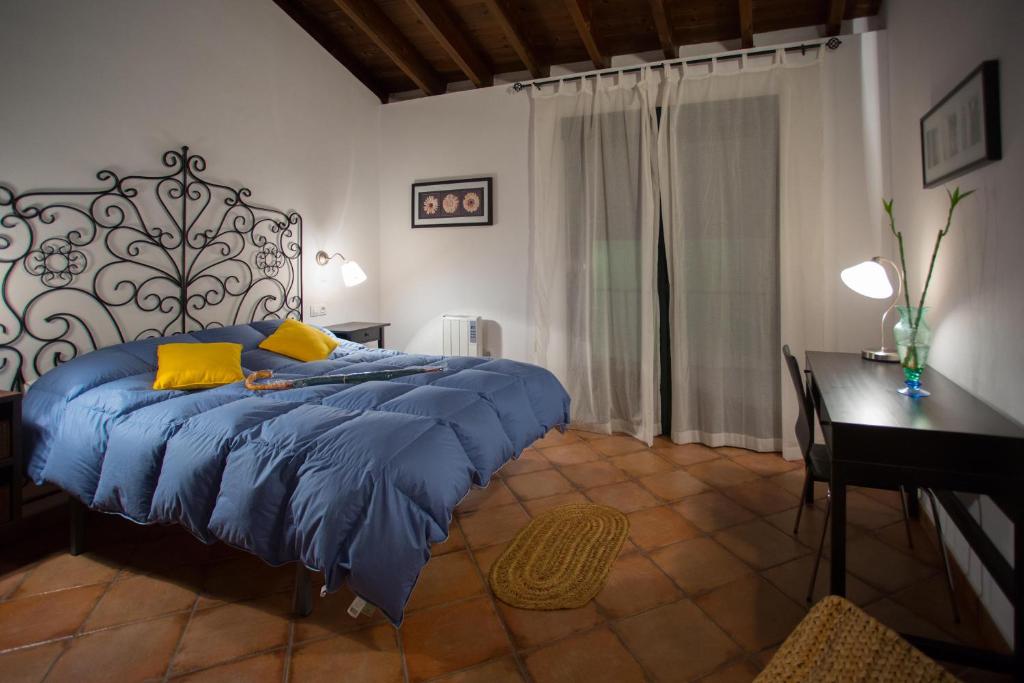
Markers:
point(961, 132)
point(451, 203)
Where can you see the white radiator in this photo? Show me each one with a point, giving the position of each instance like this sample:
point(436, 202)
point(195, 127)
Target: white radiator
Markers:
point(461, 335)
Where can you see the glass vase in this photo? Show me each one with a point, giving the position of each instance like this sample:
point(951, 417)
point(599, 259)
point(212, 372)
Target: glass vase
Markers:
point(913, 340)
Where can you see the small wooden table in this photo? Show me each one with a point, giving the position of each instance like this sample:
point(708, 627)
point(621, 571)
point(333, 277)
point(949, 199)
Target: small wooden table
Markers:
point(949, 441)
point(360, 332)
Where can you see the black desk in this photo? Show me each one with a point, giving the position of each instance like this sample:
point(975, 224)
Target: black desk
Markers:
point(950, 441)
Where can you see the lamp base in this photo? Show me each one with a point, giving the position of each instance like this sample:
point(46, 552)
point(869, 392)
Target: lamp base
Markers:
point(882, 355)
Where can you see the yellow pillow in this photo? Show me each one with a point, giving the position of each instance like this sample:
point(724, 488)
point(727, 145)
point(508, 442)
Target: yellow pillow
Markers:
point(197, 366)
point(299, 341)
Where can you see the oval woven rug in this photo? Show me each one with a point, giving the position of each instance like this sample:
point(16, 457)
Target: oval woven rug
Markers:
point(561, 559)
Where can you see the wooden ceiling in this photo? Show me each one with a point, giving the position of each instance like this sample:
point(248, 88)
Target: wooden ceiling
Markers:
point(400, 45)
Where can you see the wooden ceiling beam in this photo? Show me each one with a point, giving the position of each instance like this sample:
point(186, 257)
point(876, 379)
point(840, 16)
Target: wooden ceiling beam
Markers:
point(329, 41)
point(582, 13)
point(438, 20)
point(836, 10)
point(508, 19)
point(663, 25)
point(374, 23)
point(747, 23)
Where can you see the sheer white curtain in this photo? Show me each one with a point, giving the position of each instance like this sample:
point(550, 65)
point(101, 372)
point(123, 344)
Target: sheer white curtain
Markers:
point(734, 169)
point(593, 250)
point(740, 160)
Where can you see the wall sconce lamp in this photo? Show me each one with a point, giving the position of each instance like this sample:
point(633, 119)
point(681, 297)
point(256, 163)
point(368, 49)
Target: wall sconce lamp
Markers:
point(351, 273)
point(870, 279)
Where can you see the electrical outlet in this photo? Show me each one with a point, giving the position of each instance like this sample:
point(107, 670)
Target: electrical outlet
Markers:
point(317, 310)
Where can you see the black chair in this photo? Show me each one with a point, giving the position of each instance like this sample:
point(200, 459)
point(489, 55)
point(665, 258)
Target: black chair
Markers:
point(818, 466)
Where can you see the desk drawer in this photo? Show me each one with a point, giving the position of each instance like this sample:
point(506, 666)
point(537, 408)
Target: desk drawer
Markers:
point(363, 336)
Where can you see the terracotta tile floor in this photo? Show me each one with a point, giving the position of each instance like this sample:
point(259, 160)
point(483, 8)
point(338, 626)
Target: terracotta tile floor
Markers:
point(709, 584)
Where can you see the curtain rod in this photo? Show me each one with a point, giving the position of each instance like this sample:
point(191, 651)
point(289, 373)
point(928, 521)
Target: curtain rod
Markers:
point(832, 44)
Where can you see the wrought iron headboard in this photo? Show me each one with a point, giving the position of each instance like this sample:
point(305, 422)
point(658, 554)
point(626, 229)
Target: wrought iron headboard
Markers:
point(144, 256)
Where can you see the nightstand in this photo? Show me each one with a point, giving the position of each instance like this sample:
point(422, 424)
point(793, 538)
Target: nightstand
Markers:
point(11, 466)
point(360, 332)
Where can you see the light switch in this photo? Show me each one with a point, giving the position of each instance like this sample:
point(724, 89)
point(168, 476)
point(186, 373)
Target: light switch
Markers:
point(317, 310)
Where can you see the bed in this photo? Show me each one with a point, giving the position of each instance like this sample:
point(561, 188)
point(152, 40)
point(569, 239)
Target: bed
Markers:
point(354, 481)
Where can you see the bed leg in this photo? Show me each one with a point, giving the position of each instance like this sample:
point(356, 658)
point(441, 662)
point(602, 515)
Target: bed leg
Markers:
point(302, 598)
point(77, 515)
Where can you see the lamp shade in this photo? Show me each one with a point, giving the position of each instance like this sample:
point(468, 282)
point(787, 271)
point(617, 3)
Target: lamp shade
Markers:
point(352, 274)
point(868, 279)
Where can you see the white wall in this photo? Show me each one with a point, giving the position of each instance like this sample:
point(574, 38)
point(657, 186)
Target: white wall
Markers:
point(428, 272)
point(856, 136)
point(977, 308)
point(484, 271)
point(115, 83)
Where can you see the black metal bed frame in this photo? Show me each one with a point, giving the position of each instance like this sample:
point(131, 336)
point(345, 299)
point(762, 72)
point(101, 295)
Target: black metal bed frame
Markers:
point(143, 256)
point(302, 591)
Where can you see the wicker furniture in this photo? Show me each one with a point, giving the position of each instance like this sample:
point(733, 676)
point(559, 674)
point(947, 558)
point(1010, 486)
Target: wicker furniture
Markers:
point(838, 642)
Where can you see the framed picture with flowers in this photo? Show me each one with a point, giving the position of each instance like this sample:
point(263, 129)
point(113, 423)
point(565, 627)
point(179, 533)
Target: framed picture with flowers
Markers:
point(452, 203)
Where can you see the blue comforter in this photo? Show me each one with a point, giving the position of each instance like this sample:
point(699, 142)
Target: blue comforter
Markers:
point(356, 481)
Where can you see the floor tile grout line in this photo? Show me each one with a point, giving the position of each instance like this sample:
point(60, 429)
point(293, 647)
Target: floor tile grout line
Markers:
point(743, 657)
point(289, 651)
point(181, 638)
point(520, 663)
point(54, 591)
point(299, 644)
point(672, 503)
point(38, 643)
point(133, 622)
point(637, 479)
point(21, 582)
point(652, 449)
point(722, 491)
point(466, 669)
point(401, 654)
point(613, 625)
point(648, 674)
point(686, 595)
point(70, 641)
point(81, 627)
point(53, 664)
point(232, 660)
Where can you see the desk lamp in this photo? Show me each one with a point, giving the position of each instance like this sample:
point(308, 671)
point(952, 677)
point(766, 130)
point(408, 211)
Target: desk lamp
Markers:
point(869, 279)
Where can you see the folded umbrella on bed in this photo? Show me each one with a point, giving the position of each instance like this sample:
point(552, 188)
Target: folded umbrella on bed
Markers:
point(253, 383)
